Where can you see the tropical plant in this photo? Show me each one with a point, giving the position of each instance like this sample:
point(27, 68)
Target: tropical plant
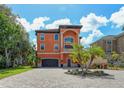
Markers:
point(121, 58)
point(114, 56)
point(32, 59)
point(80, 56)
point(84, 57)
point(95, 51)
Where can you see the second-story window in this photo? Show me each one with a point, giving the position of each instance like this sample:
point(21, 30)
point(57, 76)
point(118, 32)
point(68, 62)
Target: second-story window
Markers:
point(68, 41)
point(42, 47)
point(56, 47)
point(109, 50)
point(56, 37)
point(42, 36)
point(68, 46)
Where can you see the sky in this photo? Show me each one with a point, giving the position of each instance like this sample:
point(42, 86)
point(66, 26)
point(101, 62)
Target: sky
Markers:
point(98, 20)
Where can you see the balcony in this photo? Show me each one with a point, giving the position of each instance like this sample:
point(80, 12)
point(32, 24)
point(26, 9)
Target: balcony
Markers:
point(67, 50)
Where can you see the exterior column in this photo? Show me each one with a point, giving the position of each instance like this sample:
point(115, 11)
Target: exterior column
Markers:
point(78, 39)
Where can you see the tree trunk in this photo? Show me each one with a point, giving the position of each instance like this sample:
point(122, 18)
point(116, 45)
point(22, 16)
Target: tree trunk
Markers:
point(91, 61)
point(82, 68)
point(14, 63)
point(21, 59)
point(87, 66)
point(7, 58)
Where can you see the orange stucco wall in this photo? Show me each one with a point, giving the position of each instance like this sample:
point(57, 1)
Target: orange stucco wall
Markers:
point(49, 56)
point(48, 41)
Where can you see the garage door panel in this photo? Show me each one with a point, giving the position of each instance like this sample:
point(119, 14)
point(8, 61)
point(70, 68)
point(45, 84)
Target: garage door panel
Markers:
point(49, 63)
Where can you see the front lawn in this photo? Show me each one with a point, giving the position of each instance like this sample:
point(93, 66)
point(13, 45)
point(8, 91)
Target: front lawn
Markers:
point(13, 71)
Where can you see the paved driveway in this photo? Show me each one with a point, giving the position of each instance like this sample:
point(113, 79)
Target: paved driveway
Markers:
point(40, 78)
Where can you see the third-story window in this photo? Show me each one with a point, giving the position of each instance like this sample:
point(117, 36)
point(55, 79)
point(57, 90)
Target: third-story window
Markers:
point(109, 42)
point(68, 40)
point(42, 46)
point(56, 37)
point(42, 36)
point(56, 47)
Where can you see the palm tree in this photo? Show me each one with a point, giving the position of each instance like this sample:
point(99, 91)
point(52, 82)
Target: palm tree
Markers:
point(84, 57)
point(95, 51)
point(80, 56)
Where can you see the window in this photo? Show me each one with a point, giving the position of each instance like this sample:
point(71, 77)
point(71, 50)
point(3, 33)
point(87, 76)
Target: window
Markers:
point(109, 42)
point(109, 50)
point(42, 36)
point(68, 40)
point(68, 46)
point(68, 43)
point(42, 46)
point(56, 37)
point(56, 46)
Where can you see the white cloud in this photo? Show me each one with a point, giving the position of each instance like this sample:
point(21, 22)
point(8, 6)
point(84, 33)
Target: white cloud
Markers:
point(24, 23)
point(118, 17)
point(92, 23)
point(88, 40)
point(37, 23)
point(56, 23)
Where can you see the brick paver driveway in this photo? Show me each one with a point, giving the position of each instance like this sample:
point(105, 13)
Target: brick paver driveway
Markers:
point(40, 78)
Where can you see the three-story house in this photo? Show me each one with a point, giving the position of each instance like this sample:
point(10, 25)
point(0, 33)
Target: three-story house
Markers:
point(54, 45)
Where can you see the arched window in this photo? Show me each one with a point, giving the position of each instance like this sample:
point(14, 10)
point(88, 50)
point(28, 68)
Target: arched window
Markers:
point(68, 40)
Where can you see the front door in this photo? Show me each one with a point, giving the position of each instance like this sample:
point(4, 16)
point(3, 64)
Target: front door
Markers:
point(69, 63)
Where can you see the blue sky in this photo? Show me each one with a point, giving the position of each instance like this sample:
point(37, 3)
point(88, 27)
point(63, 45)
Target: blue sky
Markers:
point(98, 20)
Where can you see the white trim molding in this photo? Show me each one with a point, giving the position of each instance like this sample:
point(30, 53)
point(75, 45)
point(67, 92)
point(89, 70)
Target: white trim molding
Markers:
point(53, 53)
point(70, 30)
point(48, 53)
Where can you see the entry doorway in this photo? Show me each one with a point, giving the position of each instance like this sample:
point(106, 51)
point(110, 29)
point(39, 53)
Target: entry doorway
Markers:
point(69, 62)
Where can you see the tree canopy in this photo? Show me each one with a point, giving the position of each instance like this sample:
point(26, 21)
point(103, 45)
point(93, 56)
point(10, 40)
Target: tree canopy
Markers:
point(14, 40)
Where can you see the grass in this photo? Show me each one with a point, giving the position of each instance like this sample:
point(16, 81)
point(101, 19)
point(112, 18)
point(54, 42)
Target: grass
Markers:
point(13, 71)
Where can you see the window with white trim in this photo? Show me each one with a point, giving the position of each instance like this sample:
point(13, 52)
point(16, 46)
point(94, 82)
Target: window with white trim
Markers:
point(56, 36)
point(42, 36)
point(56, 46)
point(68, 40)
point(42, 47)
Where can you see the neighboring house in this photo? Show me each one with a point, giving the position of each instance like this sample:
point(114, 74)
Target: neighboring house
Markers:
point(111, 43)
point(54, 45)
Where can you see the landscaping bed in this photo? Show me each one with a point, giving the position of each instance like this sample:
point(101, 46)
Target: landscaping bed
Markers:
point(89, 73)
point(13, 71)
